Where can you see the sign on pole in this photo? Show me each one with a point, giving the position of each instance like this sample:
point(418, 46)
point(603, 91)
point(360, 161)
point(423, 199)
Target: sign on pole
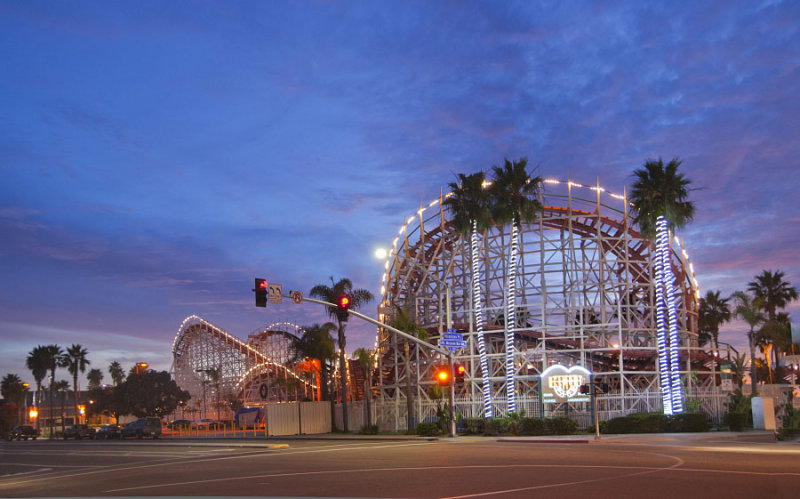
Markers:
point(297, 297)
point(275, 293)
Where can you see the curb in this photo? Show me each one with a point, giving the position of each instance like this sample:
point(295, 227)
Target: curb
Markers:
point(543, 440)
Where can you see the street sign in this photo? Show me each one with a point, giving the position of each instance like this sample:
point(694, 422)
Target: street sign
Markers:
point(297, 297)
point(454, 349)
point(452, 336)
point(453, 343)
point(275, 293)
point(451, 330)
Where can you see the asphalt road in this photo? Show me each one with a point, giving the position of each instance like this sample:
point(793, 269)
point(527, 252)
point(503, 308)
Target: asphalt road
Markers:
point(464, 467)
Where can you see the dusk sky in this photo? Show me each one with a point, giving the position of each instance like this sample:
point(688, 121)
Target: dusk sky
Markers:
point(157, 156)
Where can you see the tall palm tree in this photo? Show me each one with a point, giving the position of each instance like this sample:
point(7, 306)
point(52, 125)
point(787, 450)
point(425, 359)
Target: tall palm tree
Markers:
point(316, 343)
point(54, 353)
point(37, 363)
point(366, 360)
point(95, 378)
point(660, 203)
point(331, 294)
point(75, 361)
point(116, 372)
point(515, 200)
point(470, 206)
point(712, 313)
point(749, 310)
point(215, 375)
point(738, 364)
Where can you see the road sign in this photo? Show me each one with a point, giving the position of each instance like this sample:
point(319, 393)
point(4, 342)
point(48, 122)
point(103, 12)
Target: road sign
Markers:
point(297, 297)
point(451, 330)
point(453, 343)
point(454, 349)
point(275, 293)
point(453, 336)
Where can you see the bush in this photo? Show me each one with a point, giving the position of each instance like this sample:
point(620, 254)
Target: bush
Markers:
point(473, 426)
point(737, 421)
point(616, 425)
point(648, 422)
point(532, 426)
point(561, 426)
point(495, 426)
point(369, 430)
point(428, 429)
point(688, 422)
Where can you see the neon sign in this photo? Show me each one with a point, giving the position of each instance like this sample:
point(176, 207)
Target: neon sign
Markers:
point(562, 384)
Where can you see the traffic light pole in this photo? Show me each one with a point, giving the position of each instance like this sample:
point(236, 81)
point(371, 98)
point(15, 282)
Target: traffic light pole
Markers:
point(424, 344)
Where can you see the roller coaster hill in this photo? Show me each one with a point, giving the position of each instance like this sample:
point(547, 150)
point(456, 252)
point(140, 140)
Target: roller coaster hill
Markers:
point(586, 296)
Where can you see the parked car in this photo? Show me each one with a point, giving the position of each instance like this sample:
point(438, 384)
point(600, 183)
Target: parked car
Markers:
point(23, 432)
point(204, 423)
point(143, 427)
point(179, 423)
point(78, 432)
point(108, 431)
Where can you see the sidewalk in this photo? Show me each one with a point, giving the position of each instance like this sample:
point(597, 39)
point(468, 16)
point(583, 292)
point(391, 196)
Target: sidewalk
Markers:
point(755, 436)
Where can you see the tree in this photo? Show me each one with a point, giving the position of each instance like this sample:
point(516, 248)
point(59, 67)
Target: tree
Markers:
point(773, 291)
point(331, 294)
point(470, 208)
point(53, 354)
point(12, 389)
point(660, 204)
point(366, 359)
point(738, 366)
point(116, 372)
point(316, 343)
point(749, 310)
point(215, 373)
point(95, 378)
point(62, 387)
point(75, 361)
point(515, 200)
point(149, 393)
point(37, 363)
point(712, 313)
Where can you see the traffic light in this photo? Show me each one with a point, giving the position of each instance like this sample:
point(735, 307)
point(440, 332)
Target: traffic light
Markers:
point(442, 375)
point(586, 389)
point(342, 306)
point(261, 292)
point(461, 372)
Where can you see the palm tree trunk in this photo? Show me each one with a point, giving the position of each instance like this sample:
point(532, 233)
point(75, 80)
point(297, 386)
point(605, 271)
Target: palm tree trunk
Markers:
point(672, 315)
point(753, 379)
point(409, 392)
point(75, 394)
point(661, 323)
point(511, 319)
point(478, 305)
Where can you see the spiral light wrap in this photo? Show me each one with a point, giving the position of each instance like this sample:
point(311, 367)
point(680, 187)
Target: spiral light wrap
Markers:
point(476, 300)
point(662, 332)
point(511, 319)
point(676, 387)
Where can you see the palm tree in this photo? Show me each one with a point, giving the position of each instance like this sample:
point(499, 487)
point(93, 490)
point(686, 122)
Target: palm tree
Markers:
point(749, 310)
point(316, 343)
point(116, 372)
point(38, 365)
point(660, 203)
point(515, 200)
point(54, 353)
point(95, 378)
point(469, 205)
point(331, 294)
point(738, 364)
point(366, 360)
point(773, 291)
point(62, 387)
point(403, 321)
point(712, 313)
point(75, 361)
point(215, 373)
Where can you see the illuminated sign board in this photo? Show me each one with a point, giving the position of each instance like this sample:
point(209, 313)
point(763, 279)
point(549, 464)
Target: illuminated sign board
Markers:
point(562, 384)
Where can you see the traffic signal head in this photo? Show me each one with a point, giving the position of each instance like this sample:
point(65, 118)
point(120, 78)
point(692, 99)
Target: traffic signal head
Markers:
point(585, 389)
point(342, 306)
point(261, 292)
point(442, 375)
point(461, 372)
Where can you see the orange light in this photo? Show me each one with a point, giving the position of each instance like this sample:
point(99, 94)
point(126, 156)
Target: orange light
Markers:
point(461, 370)
point(344, 301)
point(33, 413)
point(82, 409)
point(262, 284)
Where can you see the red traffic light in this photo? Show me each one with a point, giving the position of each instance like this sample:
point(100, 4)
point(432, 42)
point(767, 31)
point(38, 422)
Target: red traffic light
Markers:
point(461, 370)
point(261, 292)
point(261, 283)
point(344, 301)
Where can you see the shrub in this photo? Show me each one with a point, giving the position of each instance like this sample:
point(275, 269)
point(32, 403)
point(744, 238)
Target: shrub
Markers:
point(369, 430)
point(473, 426)
point(648, 422)
point(688, 422)
point(495, 426)
point(428, 429)
point(532, 426)
point(616, 426)
point(561, 426)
